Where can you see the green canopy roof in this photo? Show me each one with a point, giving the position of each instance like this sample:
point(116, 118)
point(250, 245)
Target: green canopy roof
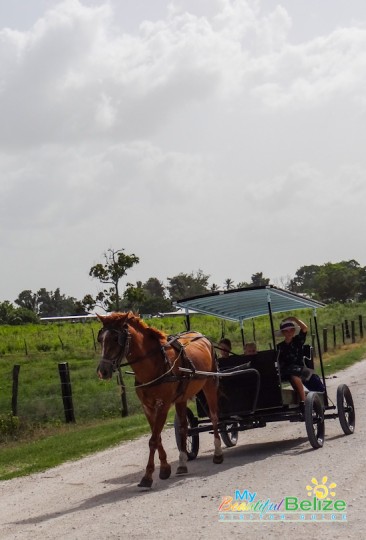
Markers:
point(246, 303)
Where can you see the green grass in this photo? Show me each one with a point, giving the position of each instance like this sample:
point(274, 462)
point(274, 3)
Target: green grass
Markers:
point(41, 439)
point(344, 358)
point(68, 443)
point(49, 446)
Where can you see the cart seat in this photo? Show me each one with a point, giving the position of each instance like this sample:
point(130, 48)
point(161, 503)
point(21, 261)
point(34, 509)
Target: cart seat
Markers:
point(290, 397)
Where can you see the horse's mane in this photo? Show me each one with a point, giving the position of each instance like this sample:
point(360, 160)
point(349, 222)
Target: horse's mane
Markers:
point(137, 322)
point(154, 332)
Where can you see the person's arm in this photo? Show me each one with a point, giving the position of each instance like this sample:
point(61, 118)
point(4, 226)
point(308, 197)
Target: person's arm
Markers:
point(301, 323)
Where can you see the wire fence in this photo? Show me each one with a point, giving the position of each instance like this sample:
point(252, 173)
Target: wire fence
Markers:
point(36, 392)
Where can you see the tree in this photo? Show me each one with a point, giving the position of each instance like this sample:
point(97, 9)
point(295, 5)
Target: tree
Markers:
point(228, 284)
point(134, 296)
point(258, 280)
point(27, 300)
point(49, 304)
point(305, 280)
point(154, 287)
point(338, 282)
point(214, 287)
point(185, 285)
point(11, 315)
point(155, 298)
point(330, 282)
point(115, 266)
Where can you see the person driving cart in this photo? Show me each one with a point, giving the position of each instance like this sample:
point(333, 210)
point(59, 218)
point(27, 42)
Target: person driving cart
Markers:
point(291, 358)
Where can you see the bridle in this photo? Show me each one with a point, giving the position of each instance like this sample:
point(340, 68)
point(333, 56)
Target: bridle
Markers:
point(123, 339)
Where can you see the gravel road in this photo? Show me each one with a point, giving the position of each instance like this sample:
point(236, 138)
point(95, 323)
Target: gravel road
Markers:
point(97, 497)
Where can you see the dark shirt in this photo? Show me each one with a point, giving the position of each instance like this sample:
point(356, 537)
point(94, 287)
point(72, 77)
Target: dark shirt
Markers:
point(291, 356)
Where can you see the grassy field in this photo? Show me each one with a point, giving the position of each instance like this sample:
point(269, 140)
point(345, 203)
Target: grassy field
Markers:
point(38, 438)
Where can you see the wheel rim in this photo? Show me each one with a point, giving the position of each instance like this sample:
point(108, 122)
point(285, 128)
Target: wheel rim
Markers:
point(346, 410)
point(318, 424)
point(314, 420)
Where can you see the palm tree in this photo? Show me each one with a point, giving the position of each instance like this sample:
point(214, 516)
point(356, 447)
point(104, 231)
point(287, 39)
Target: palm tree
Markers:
point(228, 284)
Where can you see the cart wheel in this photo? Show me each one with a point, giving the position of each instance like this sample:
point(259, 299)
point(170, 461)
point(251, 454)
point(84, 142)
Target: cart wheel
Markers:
point(193, 441)
point(230, 438)
point(314, 420)
point(346, 409)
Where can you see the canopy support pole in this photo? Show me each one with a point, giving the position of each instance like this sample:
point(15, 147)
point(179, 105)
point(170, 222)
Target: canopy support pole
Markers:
point(271, 320)
point(188, 321)
point(242, 332)
point(320, 358)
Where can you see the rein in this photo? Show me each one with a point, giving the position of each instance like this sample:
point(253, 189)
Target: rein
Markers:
point(124, 339)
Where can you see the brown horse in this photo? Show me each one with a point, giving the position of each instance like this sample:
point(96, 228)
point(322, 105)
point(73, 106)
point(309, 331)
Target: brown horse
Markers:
point(159, 383)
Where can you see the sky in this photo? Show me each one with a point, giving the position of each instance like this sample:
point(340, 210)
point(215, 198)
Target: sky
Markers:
point(218, 135)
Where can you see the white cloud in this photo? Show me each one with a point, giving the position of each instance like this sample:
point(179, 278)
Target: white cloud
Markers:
point(207, 127)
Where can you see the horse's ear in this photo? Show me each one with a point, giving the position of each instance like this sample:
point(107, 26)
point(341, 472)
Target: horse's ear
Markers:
point(130, 315)
point(100, 317)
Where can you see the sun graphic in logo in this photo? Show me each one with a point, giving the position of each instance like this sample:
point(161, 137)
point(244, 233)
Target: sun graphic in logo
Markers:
point(321, 490)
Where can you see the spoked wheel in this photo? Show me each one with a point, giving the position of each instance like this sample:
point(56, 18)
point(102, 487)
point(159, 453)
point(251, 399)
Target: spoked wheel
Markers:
point(314, 420)
point(230, 438)
point(346, 409)
point(193, 441)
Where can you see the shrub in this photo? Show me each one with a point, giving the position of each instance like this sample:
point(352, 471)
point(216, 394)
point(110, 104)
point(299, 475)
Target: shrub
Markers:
point(9, 426)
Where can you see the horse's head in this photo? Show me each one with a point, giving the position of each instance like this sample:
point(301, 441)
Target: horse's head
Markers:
point(114, 338)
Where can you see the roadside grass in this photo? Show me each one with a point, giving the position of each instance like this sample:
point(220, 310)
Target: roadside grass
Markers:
point(51, 445)
point(344, 357)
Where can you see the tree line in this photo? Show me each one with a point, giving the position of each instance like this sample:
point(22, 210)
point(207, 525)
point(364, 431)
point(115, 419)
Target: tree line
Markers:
point(344, 281)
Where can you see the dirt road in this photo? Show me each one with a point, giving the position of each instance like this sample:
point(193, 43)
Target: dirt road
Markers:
point(97, 497)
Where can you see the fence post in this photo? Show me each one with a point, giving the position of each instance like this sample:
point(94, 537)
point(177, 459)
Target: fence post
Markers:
point(62, 343)
point(353, 332)
point(63, 369)
point(360, 323)
point(334, 336)
point(14, 397)
point(346, 327)
point(343, 334)
point(123, 393)
point(94, 342)
point(325, 339)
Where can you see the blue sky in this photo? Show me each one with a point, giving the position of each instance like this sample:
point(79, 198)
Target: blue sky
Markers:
point(219, 135)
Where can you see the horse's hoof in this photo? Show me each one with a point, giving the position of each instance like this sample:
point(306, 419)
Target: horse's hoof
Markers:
point(218, 459)
point(165, 473)
point(145, 483)
point(182, 469)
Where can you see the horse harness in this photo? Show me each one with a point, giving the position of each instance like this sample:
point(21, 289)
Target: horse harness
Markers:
point(124, 340)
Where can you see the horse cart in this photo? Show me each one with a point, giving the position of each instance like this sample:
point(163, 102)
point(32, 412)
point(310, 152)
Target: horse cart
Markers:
point(251, 392)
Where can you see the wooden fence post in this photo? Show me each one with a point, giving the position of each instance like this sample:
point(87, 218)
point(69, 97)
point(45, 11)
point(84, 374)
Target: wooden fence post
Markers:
point(14, 397)
point(95, 344)
point(343, 334)
point(62, 343)
point(346, 327)
point(325, 339)
point(353, 332)
point(334, 336)
point(123, 393)
point(63, 369)
point(360, 323)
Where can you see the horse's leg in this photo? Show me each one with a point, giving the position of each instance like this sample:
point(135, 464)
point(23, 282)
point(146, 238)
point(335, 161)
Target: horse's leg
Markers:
point(156, 417)
point(210, 390)
point(181, 410)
